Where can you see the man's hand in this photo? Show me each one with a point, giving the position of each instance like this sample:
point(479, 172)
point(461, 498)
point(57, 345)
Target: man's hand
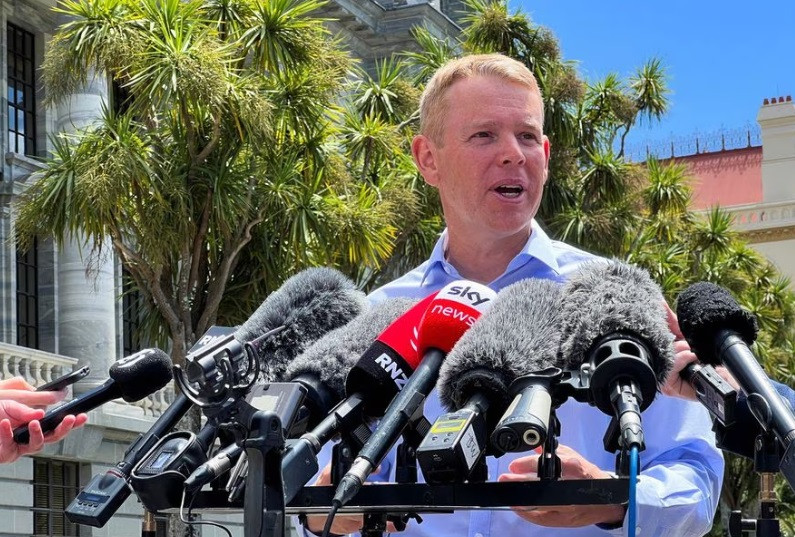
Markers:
point(573, 466)
point(343, 524)
point(675, 385)
point(15, 396)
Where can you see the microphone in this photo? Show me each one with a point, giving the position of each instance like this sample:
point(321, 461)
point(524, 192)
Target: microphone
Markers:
point(518, 335)
point(324, 366)
point(131, 378)
point(321, 369)
point(720, 332)
point(451, 313)
point(614, 330)
point(305, 307)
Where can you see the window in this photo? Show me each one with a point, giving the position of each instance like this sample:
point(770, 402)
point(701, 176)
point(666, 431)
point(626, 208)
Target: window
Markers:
point(21, 91)
point(28, 297)
point(132, 310)
point(55, 485)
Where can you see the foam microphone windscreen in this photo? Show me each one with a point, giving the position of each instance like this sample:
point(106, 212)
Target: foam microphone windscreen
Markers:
point(309, 305)
point(608, 297)
point(141, 374)
point(518, 335)
point(332, 356)
point(705, 308)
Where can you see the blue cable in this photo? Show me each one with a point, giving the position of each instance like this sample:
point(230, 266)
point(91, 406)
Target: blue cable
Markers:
point(632, 508)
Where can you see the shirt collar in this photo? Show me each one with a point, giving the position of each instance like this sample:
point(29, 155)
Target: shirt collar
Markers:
point(538, 246)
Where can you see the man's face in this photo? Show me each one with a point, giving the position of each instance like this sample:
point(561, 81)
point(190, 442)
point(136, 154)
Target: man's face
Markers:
point(490, 164)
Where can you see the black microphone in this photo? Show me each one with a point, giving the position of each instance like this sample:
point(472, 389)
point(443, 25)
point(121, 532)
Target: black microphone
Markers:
point(720, 332)
point(132, 378)
point(615, 331)
point(518, 335)
point(305, 307)
point(322, 369)
point(451, 313)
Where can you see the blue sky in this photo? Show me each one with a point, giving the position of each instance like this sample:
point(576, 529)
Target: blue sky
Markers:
point(723, 58)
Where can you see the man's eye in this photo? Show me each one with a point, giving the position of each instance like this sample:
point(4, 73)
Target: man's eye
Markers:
point(481, 134)
point(528, 136)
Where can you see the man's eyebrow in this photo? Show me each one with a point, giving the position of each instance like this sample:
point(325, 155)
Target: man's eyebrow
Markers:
point(531, 124)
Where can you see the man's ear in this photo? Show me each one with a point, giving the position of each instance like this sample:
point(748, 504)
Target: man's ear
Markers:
point(425, 156)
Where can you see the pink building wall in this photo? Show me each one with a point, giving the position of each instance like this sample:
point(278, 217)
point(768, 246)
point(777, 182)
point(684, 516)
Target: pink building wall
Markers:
point(725, 178)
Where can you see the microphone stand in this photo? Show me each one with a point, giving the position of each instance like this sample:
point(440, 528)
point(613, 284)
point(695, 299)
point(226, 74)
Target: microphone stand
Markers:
point(549, 466)
point(766, 463)
point(263, 506)
point(405, 472)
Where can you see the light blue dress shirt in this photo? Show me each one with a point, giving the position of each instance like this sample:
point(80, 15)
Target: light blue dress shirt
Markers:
point(682, 470)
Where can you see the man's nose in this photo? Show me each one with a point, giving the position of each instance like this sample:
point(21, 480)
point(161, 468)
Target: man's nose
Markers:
point(511, 151)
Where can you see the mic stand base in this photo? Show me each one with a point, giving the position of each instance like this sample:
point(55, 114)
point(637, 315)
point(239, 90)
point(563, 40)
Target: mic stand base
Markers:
point(263, 508)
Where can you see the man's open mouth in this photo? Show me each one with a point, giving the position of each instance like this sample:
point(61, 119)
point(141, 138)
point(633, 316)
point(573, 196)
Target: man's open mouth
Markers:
point(509, 191)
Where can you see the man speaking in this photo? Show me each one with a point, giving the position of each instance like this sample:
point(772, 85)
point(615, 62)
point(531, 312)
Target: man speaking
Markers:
point(482, 145)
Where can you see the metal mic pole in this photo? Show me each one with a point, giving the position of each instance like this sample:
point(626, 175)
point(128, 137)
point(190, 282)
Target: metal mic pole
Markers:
point(149, 526)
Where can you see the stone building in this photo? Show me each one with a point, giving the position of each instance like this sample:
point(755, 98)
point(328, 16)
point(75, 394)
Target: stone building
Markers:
point(753, 178)
point(54, 318)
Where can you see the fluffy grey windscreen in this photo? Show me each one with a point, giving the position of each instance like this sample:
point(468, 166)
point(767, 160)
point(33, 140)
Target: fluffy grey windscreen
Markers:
point(605, 297)
point(333, 355)
point(519, 334)
point(308, 305)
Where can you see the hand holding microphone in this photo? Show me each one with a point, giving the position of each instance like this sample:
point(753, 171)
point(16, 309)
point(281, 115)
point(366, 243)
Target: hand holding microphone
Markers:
point(15, 396)
point(131, 378)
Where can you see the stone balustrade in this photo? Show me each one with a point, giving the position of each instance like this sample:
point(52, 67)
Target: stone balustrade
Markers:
point(759, 216)
point(39, 367)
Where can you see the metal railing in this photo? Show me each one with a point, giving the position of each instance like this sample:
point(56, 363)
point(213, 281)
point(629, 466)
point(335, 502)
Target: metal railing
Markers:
point(683, 146)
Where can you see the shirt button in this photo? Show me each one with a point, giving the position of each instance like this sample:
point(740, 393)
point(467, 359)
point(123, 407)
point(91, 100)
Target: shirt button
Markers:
point(637, 530)
point(478, 535)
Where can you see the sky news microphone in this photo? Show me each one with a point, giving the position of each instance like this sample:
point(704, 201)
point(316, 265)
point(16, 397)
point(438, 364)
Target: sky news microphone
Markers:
point(452, 312)
point(720, 332)
point(517, 335)
point(132, 378)
point(615, 323)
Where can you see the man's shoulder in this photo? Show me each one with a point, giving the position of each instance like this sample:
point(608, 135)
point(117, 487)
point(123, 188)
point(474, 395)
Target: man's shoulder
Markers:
point(569, 257)
point(409, 285)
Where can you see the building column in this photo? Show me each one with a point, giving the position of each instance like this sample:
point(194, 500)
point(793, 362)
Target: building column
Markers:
point(85, 281)
point(777, 121)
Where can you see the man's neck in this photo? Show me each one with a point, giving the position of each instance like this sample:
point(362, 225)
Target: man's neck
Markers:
point(482, 261)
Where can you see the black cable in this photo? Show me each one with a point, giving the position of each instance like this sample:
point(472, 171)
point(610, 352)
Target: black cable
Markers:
point(335, 506)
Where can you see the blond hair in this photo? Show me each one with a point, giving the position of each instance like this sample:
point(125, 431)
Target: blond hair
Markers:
point(433, 105)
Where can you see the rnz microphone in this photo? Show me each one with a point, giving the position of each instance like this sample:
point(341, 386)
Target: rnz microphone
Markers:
point(720, 332)
point(614, 331)
point(519, 334)
point(451, 313)
point(131, 378)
